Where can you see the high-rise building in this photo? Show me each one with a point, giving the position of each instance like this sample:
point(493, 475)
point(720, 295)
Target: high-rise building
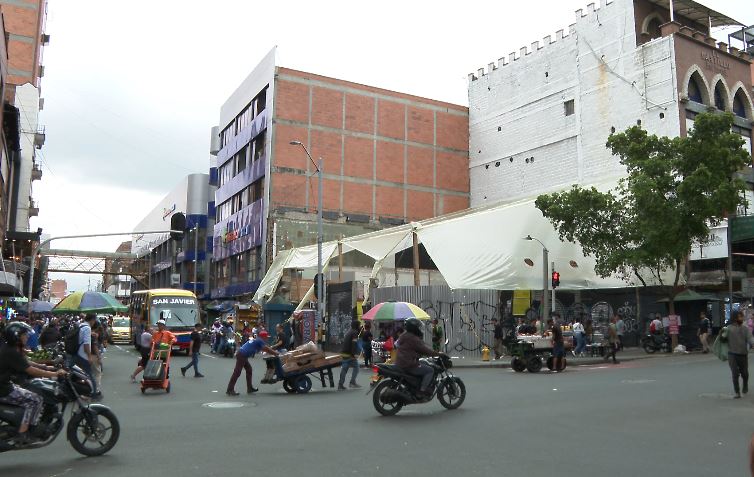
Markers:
point(387, 158)
point(24, 22)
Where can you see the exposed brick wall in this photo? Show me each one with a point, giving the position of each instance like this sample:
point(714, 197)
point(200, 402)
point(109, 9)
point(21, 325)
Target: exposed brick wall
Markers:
point(22, 55)
point(288, 190)
point(327, 107)
point(371, 167)
point(292, 101)
point(390, 162)
point(421, 166)
point(390, 201)
point(420, 205)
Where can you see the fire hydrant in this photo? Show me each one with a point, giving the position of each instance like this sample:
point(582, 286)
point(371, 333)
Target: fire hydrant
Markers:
point(485, 353)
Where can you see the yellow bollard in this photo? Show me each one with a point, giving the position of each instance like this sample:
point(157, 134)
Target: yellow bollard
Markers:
point(485, 353)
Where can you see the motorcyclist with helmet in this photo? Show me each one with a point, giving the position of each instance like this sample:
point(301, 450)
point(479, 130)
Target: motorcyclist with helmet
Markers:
point(13, 362)
point(410, 348)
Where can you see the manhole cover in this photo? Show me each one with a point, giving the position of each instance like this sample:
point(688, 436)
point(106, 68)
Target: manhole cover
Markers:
point(716, 396)
point(638, 381)
point(226, 405)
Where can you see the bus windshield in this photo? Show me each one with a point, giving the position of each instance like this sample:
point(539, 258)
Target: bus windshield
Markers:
point(177, 311)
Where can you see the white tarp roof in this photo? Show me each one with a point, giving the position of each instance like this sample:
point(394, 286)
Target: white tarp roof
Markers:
point(481, 248)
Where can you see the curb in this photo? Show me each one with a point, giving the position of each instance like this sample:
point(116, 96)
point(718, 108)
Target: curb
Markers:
point(505, 362)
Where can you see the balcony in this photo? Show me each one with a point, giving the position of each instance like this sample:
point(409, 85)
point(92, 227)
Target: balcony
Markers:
point(36, 172)
point(33, 209)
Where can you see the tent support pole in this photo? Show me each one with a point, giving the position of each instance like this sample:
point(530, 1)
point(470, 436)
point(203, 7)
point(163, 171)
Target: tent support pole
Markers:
point(416, 259)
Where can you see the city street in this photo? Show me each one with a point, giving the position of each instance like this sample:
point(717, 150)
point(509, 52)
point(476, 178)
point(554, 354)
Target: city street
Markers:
point(660, 416)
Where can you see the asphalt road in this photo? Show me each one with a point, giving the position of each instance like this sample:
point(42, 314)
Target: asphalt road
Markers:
point(656, 417)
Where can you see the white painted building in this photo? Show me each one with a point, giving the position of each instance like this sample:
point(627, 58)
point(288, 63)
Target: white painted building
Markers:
point(540, 117)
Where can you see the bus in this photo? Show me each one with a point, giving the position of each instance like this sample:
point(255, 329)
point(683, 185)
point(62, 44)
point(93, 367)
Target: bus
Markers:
point(179, 309)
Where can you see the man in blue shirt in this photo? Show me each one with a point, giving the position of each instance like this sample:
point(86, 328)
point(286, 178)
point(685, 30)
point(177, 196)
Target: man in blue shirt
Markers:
point(248, 350)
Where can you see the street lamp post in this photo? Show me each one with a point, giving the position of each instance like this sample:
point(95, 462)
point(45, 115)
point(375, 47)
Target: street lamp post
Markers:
point(320, 284)
point(545, 273)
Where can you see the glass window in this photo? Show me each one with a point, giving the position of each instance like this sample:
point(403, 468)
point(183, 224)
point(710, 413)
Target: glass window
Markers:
point(259, 143)
point(719, 97)
point(241, 160)
point(739, 108)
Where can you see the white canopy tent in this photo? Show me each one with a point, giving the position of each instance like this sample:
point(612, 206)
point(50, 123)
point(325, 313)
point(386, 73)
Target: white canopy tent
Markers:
point(482, 248)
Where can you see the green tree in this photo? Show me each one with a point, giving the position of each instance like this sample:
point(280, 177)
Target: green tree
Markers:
point(675, 189)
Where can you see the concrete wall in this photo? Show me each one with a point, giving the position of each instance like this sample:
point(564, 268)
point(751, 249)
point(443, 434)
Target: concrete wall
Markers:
point(521, 141)
point(27, 102)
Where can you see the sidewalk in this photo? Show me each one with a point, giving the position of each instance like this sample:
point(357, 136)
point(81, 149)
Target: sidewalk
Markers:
point(628, 354)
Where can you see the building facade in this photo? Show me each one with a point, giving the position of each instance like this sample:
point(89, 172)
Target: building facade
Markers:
point(25, 24)
point(387, 158)
point(540, 118)
point(171, 264)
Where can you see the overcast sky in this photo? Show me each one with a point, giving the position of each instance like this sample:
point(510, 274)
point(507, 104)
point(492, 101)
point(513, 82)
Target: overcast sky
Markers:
point(132, 88)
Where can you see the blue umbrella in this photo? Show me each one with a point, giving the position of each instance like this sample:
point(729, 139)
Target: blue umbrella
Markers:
point(38, 306)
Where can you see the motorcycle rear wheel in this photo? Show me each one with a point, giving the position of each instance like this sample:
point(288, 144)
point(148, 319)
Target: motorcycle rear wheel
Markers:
point(386, 409)
point(648, 348)
point(451, 393)
point(105, 433)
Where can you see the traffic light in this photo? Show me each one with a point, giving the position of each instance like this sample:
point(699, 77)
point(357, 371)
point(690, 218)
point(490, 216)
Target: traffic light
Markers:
point(316, 285)
point(177, 226)
point(555, 279)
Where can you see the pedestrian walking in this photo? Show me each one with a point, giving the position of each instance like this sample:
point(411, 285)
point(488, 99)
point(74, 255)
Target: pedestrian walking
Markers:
point(280, 339)
point(437, 334)
point(620, 328)
point(558, 345)
point(739, 339)
point(195, 346)
point(497, 332)
point(580, 335)
point(246, 351)
point(612, 340)
point(366, 343)
point(703, 331)
point(145, 343)
point(349, 352)
point(84, 356)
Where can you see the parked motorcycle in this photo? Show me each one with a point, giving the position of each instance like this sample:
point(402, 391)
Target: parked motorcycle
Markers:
point(395, 388)
point(652, 343)
point(92, 429)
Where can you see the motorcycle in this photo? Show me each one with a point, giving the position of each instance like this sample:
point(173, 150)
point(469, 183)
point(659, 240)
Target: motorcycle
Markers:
point(394, 388)
point(92, 429)
point(229, 348)
point(652, 343)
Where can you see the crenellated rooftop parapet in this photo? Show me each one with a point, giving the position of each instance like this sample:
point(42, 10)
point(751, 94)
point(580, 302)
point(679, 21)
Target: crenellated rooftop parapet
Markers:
point(524, 51)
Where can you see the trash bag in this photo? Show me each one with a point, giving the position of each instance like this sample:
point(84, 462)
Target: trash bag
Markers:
point(720, 346)
point(680, 349)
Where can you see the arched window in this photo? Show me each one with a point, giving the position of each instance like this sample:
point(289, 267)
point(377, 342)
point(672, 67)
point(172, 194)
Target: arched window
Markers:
point(653, 28)
point(739, 104)
point(720, 102)
point(695, 89)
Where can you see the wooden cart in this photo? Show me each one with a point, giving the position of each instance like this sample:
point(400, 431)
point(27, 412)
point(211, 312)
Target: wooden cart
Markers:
point(298, 380)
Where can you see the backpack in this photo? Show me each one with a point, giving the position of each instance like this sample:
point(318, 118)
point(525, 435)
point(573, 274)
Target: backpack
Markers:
point(71, 341)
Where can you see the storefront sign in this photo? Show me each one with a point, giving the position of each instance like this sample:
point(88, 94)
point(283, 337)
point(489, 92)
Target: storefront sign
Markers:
point(672, 323)
point(713, 58)
point(167, 212)
point(238, 233)
point(715, 246)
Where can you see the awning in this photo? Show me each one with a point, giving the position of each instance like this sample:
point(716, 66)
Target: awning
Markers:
point(697, 12)
point(691, 295)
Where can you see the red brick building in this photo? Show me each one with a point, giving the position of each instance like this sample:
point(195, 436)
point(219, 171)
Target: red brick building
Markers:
point(388, 158)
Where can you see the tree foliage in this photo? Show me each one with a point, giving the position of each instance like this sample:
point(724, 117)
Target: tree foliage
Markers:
point(675, 189)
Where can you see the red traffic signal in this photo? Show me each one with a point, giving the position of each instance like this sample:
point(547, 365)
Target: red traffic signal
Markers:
point(555, 279)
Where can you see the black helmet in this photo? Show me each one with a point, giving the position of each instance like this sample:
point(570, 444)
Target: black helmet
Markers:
point(14, 331)
point(414, 325)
